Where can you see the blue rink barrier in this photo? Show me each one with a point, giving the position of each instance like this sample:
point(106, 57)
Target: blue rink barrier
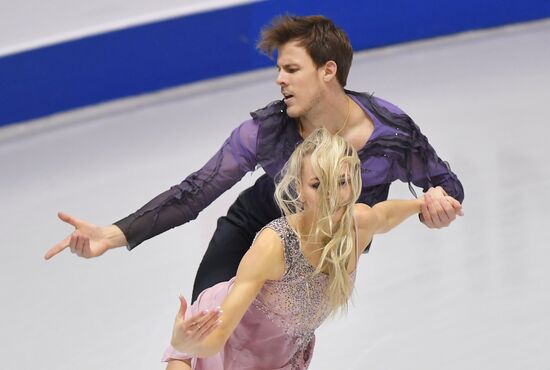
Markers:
point(192, 48)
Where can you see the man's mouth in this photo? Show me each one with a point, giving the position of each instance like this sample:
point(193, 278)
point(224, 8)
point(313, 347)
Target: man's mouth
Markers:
point(287, 96)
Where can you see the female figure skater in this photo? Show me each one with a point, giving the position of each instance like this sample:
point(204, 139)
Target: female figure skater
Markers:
point(299, 270)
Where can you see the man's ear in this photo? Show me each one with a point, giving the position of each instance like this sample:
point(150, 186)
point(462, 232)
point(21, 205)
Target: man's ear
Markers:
point(329, 70)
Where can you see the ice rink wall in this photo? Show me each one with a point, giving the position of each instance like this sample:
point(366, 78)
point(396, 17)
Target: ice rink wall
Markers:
point(145, 55)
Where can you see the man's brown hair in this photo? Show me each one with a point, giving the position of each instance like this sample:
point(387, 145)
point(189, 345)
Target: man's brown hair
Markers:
point(317, 34)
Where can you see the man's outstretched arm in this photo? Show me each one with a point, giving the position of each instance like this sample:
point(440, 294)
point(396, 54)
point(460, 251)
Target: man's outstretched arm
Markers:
point(174, 207)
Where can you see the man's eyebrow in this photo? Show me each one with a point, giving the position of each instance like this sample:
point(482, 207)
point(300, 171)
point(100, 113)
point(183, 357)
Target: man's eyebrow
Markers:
point(287, 65)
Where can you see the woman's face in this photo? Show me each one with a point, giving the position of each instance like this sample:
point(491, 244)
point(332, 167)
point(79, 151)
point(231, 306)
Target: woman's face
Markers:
point(310, 184)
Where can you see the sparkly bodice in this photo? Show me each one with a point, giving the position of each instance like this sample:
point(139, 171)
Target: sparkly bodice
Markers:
point(297, 303)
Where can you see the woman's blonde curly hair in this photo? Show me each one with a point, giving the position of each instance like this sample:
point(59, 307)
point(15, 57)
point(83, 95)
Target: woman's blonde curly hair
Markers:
point(333, 160)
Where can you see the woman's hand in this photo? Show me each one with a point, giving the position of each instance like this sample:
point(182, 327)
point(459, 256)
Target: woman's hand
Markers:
point(188, 334)
point(439, 209)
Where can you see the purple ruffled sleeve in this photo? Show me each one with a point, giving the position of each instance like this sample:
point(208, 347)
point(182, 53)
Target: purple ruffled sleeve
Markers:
point(438, 174)
point(424, 168)
point(183, 202)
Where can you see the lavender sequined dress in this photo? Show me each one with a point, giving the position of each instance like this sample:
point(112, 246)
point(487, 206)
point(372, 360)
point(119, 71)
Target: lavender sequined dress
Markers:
point(277, 331)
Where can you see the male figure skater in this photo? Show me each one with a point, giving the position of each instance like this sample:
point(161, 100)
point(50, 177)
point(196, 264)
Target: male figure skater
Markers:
point(314, 58)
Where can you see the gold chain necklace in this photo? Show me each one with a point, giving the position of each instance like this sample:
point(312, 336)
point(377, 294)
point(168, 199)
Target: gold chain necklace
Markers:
point(301, 128)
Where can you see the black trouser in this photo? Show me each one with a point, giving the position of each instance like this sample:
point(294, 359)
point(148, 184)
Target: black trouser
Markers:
point(254, 208)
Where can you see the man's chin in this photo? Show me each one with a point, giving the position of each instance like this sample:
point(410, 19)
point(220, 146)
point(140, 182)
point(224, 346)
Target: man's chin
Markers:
point(293, 112)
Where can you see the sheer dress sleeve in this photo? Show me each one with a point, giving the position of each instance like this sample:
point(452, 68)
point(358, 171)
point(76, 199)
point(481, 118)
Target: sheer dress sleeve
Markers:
point(183, 202)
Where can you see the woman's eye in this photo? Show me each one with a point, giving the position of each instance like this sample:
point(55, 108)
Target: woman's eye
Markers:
point(343, 182)
point(315, 186)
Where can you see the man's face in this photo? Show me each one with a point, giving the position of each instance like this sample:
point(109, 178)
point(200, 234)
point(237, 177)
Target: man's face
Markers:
point(300, 80)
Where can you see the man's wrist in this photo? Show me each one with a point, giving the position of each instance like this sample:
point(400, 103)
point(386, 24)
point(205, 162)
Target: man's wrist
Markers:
point(114, 236)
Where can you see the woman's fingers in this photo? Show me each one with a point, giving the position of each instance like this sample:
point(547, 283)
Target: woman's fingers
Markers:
point(193, 320)
point(208, 327)
point(456, 205)
point(205, 326)
point(208, 318)
point(183, 306)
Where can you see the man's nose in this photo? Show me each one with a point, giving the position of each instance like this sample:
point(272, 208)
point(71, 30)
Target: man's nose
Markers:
point(281, 78)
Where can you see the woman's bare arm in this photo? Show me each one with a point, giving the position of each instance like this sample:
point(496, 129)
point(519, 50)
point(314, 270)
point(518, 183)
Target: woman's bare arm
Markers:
point(384, 216)
point(263, 261)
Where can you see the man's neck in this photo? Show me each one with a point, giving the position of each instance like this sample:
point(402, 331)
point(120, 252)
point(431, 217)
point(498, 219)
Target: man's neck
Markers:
point(331, 112)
